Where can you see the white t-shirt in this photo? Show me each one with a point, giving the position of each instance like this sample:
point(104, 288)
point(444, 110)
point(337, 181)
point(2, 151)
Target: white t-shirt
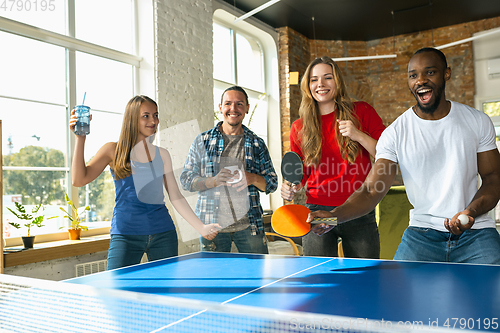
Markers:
point(438, 162)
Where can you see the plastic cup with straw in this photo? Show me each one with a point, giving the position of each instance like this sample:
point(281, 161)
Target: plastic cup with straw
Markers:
point(82, 126)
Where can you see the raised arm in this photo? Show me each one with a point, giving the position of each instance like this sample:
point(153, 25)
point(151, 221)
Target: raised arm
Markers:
point(377, 184)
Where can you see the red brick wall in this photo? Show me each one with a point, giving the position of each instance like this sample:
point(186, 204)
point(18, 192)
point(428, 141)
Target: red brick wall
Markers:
point(382, 82)
point(294, 57)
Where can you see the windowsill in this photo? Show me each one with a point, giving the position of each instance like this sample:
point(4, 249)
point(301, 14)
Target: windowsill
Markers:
point(96, 240)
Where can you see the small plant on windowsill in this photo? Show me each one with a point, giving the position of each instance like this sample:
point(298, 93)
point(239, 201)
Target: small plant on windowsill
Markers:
point(35, 219)
point(76, 227)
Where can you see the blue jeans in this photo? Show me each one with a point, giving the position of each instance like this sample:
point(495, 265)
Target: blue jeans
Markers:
point(360, 238)
point(244, 241)
point(480, 246)
point(126, 250)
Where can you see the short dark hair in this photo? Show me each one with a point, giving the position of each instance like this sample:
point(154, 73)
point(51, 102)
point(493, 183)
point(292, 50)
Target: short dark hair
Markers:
point(237, 88)
point(436, 51)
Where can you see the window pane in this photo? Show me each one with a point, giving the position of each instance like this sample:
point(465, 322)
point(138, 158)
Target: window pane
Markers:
point(492, 109)
point(249, 61)
point(34, 187)
point(104, 127)
point(32, 70)
point(105, 22)
point(99, 195)
point(109, 84)
point(222, 54)
point(45, 14)
point(256, 119)
point(32, 125)
point(49, 225)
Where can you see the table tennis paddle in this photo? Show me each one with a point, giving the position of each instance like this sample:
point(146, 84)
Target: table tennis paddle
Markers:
point(290, 220)
point(292, 168)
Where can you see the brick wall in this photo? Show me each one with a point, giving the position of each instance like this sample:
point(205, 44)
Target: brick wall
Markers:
point(383, 82)
point(294, 55)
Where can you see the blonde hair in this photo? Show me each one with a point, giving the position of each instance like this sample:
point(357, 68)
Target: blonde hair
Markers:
point(128, 136)
point(311, 135)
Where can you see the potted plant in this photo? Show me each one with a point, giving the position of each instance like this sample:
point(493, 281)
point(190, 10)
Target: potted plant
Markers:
point(76, 227)
point(33, 219)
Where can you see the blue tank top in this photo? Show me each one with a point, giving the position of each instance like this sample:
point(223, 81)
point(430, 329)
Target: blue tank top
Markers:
point(139, 203)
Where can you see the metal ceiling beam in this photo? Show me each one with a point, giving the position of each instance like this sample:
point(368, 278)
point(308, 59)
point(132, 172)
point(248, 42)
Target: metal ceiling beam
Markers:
point(256, 10)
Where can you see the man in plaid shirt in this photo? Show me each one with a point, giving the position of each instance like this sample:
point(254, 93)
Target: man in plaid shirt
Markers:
point(231, 198)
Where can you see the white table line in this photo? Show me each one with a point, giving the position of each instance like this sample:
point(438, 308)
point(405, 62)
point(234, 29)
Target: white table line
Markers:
point(234, 298)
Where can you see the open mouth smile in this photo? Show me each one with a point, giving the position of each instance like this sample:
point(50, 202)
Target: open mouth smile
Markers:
point(322, 92)
point(424, 94)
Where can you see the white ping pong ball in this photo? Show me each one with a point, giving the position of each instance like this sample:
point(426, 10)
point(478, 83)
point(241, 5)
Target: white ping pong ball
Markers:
point(464, 219)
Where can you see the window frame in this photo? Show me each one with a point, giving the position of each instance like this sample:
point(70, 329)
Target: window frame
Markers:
point(71, 46)
point(267, 39)
point(234, 55)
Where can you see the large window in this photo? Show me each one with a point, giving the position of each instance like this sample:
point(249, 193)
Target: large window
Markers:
point(52, 56)
point(238, 60)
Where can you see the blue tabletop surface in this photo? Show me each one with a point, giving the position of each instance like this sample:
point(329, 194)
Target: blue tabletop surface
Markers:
point(359, 288)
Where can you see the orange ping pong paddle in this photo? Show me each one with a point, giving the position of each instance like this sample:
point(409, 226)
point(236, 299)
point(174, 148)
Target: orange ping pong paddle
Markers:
point(290, 220)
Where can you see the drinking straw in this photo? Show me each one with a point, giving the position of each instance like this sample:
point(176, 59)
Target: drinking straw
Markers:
point(84, 94)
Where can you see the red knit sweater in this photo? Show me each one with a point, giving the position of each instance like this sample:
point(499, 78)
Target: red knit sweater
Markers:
point(335, 179)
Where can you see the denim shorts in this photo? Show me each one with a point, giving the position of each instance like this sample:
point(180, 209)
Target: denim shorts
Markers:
point(360, 238)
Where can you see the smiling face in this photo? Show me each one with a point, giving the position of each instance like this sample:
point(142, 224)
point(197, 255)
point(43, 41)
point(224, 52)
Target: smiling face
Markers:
point(322, 85)
point(427, 76)
point(148, 120)
point(234, 107)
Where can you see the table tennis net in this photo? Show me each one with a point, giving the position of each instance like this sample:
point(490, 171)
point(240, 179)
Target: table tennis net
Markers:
point(33, 305)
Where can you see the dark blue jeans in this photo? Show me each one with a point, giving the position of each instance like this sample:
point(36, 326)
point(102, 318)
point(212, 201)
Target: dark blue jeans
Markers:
point(244, 241)
point(126, 250)
point(360, 238)
point(477, 246)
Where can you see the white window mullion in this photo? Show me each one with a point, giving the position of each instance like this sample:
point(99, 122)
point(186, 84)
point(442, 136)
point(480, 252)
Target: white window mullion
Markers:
point(70, 96)
point(235, 57)
point(29, 31)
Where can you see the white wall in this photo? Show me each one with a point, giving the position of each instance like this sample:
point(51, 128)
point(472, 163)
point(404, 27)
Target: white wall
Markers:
point(55, 270)
point(184, 87)
point(487, 88)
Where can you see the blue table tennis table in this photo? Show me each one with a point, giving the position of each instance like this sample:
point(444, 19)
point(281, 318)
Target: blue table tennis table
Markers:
point(414, 295)
point(231, 292)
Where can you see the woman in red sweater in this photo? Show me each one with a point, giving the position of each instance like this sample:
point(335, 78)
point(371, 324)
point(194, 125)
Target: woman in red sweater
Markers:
point(335, 138)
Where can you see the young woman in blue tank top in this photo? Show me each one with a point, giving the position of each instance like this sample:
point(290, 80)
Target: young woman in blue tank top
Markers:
point(141, 221)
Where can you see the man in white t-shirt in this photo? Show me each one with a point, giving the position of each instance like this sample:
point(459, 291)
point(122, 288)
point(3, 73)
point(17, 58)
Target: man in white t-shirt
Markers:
point(441, 147)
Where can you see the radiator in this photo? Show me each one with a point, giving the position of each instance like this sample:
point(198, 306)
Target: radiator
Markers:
point(90, 267)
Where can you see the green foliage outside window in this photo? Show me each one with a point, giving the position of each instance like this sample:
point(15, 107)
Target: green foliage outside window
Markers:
point(36, 187)
point(492, 109)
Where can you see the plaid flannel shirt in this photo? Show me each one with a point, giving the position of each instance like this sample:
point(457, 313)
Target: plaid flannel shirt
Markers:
point(203, 161)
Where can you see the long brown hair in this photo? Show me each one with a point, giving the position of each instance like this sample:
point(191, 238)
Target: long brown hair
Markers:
point(311, 134)
point(128, 136)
